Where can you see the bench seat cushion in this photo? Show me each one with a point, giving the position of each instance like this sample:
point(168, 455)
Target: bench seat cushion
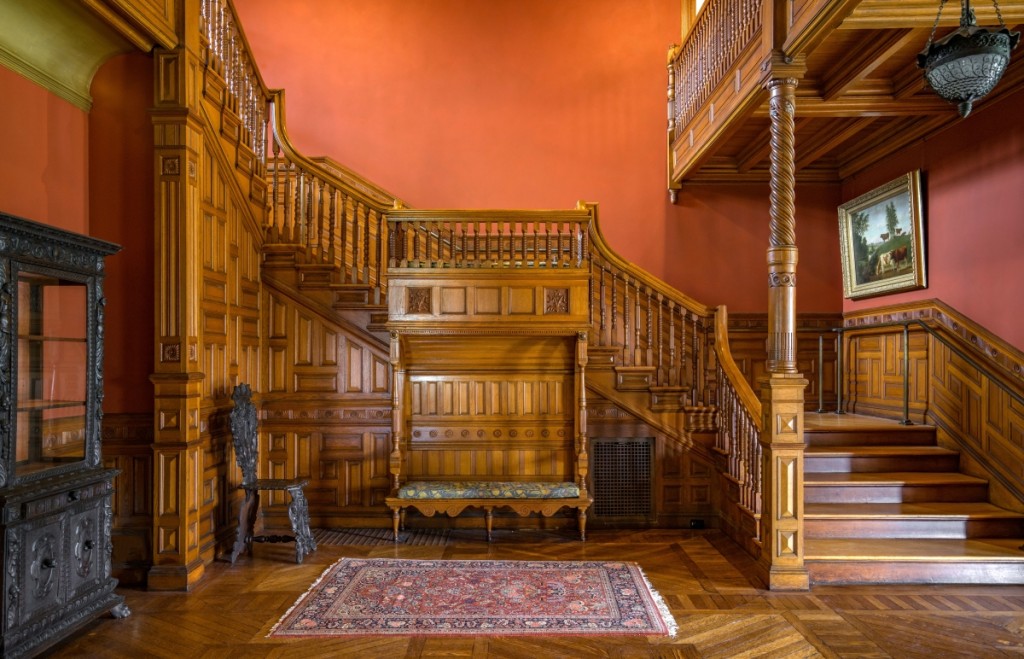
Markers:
point(487, 490)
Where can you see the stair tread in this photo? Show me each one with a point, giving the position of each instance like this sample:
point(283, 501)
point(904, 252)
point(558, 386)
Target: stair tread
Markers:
point(950, 510)
point(894, 478)
point(828, 422)
point(915, 550)
point(871, 451)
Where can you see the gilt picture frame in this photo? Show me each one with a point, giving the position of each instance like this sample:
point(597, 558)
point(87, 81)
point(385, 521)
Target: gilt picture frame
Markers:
point(881, 239)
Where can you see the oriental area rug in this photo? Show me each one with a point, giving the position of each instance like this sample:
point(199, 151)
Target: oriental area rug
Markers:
point(446, 597)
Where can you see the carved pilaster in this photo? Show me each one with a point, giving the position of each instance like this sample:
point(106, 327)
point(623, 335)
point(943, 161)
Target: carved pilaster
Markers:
point(782, 253)
point(177, 454)
point(782, 512)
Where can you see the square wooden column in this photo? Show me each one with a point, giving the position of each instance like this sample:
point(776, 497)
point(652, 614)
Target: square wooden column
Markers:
point(178, 457)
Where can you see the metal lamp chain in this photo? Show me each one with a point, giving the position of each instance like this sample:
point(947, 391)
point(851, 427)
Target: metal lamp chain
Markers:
point(999, 14)
point(931, 37)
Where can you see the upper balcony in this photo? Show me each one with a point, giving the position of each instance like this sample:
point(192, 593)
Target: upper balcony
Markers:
point(860, 94)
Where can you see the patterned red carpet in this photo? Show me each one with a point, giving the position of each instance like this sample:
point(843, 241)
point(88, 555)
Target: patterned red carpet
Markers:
point(391, 596)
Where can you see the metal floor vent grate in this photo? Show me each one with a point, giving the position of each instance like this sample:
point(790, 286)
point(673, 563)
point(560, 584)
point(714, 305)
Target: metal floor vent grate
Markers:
point(622, 477)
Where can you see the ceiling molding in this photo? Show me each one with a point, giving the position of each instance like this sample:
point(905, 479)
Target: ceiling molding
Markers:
point(57, 44)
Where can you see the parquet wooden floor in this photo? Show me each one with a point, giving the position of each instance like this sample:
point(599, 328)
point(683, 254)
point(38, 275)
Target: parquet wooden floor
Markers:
point(704, 578)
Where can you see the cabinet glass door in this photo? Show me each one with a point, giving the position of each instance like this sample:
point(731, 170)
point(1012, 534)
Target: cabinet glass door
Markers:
point(52, 367)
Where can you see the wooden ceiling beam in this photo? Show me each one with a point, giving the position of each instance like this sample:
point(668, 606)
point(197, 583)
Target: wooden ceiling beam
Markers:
point(758, 149)
point(880, 14)
point(860, 64)
point(867, 105)
point(869, 152)
point(828, 141)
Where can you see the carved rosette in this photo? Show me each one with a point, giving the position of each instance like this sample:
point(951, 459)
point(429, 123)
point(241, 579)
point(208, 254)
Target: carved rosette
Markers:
point(43, 568)
point(419, 300)
point(84, 546)
point(556, 300)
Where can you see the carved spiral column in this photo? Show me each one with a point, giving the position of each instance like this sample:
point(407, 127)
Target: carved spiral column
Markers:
point(782, 391)
point(782, 254)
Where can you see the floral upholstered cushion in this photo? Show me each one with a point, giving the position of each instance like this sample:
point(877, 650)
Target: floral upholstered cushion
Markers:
point(487, 490)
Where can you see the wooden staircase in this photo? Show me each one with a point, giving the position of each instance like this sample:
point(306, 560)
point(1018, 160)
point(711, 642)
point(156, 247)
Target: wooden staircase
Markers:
point(885, 504)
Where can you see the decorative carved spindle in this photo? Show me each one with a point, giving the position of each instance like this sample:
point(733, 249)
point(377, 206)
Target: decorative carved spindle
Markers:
point(275, 195)
point(673, 372)
point(332, 252)
point(358, 234)
point(615, 310)
point(602, 335)
point(637, 351)
point(487, 242)
point(651, 337)
point(627, 336)
point(661, 374)
point(694, 358)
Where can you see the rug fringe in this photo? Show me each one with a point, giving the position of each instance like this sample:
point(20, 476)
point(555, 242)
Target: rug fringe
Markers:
point(303, 597)
point(659, 602)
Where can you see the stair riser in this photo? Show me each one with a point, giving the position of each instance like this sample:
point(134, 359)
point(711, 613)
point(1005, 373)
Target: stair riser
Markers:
point(890, 572)
point(894, 493)
point(922, 437)
point(913, 528)
point(843, 465)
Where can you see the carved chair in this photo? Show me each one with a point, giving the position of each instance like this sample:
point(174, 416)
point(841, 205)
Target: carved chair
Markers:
point(245, 438)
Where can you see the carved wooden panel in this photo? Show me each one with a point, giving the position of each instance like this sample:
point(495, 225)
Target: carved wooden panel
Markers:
point(683, 478)
point(512, 299)
point(342, 446)
point(982, 418)
point(748, 334)
point(874, 374)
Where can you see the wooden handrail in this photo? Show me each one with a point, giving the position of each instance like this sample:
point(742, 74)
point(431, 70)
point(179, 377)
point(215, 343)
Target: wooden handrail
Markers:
point(334, 216)
point(654, 329)
point(745, 393)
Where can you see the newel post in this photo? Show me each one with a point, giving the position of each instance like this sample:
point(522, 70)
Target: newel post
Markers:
point(782, 391)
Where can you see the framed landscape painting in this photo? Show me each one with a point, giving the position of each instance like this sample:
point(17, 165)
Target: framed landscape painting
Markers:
point(881, 239)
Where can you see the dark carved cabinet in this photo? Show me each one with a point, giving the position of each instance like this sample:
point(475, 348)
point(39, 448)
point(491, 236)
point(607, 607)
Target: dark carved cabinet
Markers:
point(55, 495)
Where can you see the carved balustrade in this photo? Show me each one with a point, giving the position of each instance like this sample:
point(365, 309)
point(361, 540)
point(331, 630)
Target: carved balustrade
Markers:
point(489, 239)
point(722, 31)
point(649, 325)
point(739, 428)
point(227, 52)
point(334, 216)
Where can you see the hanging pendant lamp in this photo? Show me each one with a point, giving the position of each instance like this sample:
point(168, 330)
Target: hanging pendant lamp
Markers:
point(965, 65)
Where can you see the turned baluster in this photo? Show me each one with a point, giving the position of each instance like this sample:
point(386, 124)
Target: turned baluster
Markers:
point(332, 252)
point(637, 351)
point(673, 372)
point(627, 337)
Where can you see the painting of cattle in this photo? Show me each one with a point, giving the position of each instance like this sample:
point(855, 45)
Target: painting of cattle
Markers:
point(881, 236)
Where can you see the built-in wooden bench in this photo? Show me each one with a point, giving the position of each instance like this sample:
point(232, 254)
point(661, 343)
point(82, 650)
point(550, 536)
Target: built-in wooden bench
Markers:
point(488, 313)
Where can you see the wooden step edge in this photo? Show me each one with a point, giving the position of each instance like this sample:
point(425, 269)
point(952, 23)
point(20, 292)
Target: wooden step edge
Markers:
point(889, 450)
point(915, 549)
point(931, 517)
point(907, 479)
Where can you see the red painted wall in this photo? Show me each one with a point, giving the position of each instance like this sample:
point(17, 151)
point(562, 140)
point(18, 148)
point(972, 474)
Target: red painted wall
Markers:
point(528, 104)
point(121, 208)
point(44, 168)
point(974, 216)
point(721, 237)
